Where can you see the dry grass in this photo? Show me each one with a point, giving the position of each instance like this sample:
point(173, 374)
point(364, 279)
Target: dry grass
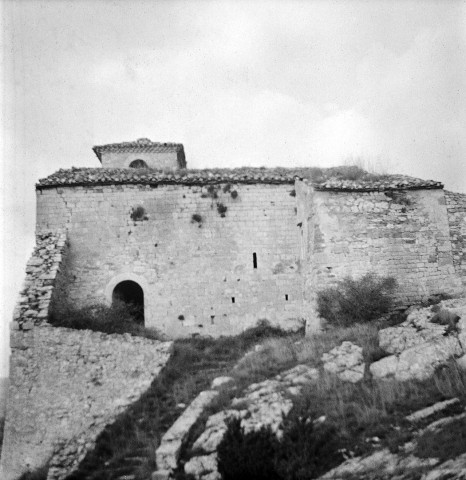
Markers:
point(277, 354)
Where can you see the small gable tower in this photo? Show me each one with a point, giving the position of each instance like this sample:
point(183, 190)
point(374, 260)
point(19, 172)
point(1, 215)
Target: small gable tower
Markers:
point(143, 153)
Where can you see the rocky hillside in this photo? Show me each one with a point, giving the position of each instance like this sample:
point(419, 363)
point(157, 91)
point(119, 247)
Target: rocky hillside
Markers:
point(402, 416)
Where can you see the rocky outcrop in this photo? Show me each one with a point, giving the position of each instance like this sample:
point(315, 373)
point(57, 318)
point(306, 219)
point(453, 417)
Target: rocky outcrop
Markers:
point(262, 404)
point(428, 338)
point(346, 361)
point(169, 450)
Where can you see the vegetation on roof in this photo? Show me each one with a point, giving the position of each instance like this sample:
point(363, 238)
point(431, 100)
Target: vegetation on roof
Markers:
point(335, 178)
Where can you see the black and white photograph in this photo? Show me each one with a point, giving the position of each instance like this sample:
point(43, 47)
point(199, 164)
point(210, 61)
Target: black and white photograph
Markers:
point(233, 240)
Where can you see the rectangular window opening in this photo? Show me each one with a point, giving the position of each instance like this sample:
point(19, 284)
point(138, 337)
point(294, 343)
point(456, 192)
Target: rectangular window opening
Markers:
point(286, 296)
point(254, 259)
point(232, 299)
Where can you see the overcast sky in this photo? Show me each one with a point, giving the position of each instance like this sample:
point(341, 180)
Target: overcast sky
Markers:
point(238, 83)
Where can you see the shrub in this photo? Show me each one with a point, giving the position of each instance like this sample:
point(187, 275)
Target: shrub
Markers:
point(307, 449)
point(247, 456)
point(138, 214)
point(119, 318)
point(196, 218)
point(234, 194)
point(352, 301)
point(221, 209)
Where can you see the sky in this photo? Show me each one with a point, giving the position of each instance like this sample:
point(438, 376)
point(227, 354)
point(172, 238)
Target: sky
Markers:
point(255, 83)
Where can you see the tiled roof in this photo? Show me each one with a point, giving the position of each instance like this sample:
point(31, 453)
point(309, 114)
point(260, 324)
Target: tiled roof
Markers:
point(140, 145)
point(322, 179)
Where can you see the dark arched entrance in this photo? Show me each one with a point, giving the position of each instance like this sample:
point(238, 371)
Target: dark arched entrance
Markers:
point(131, 293)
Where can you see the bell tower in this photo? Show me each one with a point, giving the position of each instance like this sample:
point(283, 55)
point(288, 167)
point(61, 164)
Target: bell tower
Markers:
point(143, 153)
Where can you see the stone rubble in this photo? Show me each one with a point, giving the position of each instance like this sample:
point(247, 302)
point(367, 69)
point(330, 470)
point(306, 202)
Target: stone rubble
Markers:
point(41, 272)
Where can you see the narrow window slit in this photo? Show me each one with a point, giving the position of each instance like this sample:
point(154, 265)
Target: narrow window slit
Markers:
point(254, 259)
point(232, 299)
point(286, 296)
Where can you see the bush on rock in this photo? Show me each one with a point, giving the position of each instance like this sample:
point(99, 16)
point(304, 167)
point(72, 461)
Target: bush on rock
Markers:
point(352, 301)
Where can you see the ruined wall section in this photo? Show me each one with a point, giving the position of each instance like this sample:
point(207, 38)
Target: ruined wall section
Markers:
point(456, 208)
point(401, 233)
point(65, 387)
point(202, 269)
point(43, 273)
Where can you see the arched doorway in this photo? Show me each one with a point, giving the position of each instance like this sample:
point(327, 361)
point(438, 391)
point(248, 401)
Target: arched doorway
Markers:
point(130, 293)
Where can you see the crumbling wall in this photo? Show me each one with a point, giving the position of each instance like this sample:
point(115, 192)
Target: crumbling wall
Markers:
point(400, 233)
point(456, 208)
point(211, 259)
point(43, 273)
point(65, 385)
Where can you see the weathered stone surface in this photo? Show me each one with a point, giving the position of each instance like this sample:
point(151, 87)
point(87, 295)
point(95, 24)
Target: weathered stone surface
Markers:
point(417, 362)
point(43, 273)
point(219, 381)
point(215, 429)
point(427, 412)
point(66, 386)
point(168, 452)
point(420, 345)
point(346, 361)
point(453, 469)
point(378, 465)
point(203, 465)
point(461, 362)
point(161, 475)
point(263, 404)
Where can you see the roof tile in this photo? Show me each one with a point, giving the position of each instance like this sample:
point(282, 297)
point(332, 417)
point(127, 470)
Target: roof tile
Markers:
point(322, 179)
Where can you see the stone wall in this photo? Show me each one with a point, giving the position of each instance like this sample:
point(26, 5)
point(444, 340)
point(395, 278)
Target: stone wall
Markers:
point(42, 275)
point(165, 160)
point(65, 387)
point(456, 208)
point(404, 234)
point(194, 262)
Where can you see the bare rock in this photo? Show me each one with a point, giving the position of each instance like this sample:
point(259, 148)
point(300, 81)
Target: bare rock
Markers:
point(427, 412)
point(219, 381)
point(215, 430)
point(380, 464)
point(346, 361)
point(454, 469)
point(199, 467)
point(169, 450)
point(418, 362)
point(461, 362)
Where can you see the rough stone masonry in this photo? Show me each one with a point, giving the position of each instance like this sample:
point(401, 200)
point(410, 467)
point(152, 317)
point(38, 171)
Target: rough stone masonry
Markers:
point(211, 252)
